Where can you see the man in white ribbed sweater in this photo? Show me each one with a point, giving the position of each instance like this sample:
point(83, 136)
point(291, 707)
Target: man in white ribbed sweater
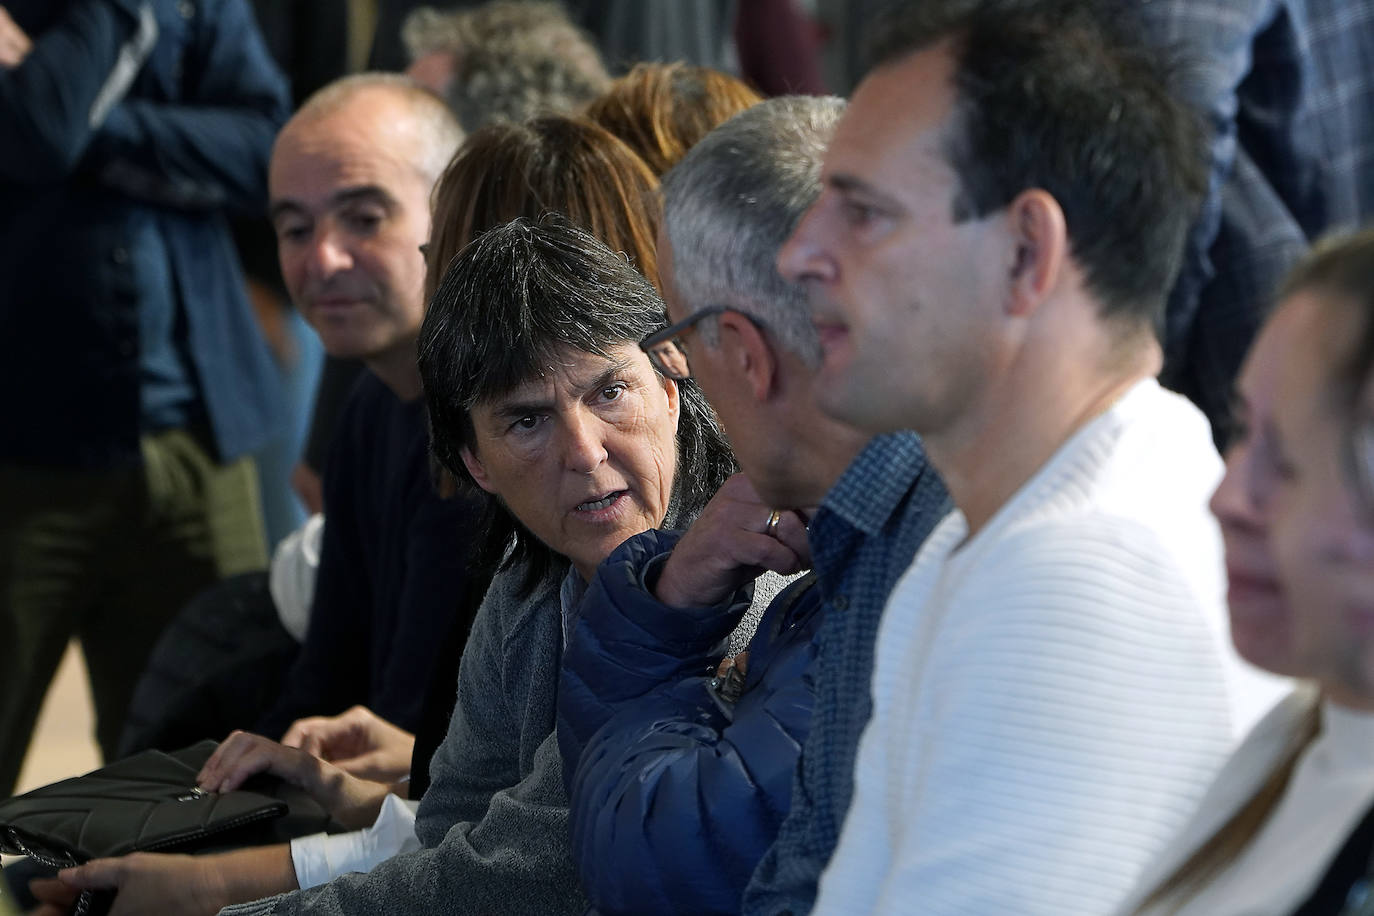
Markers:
point(1004, 208)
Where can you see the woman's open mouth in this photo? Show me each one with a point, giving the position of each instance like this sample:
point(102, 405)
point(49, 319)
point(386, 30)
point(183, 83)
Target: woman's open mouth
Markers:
point(605, 502)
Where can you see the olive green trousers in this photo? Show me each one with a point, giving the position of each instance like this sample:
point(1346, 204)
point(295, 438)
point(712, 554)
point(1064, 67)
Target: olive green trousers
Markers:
point(109, 557)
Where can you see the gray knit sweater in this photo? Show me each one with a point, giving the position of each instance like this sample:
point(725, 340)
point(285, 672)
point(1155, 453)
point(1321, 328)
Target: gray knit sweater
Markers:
point(494, 823)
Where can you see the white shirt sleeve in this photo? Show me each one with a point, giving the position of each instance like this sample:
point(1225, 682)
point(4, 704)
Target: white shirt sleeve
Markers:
point(322, 857)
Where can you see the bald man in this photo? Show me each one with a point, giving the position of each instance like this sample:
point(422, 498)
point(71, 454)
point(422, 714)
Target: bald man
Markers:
point(349, 182)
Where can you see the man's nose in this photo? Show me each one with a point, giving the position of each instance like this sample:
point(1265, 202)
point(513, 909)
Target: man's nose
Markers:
point(330, 253)
point(804, 256)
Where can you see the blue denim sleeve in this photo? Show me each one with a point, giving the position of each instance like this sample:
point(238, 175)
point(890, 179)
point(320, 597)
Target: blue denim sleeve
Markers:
point(47, 103)
point(205, 142)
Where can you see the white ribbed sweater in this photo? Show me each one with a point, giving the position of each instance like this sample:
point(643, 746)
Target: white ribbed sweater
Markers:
point(1052, 696)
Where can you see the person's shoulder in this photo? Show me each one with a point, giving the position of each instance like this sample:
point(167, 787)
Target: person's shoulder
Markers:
point(1086, 595)
point(1095, 541)
point(513, 606)
point(1136, 480)
point(1093, 559)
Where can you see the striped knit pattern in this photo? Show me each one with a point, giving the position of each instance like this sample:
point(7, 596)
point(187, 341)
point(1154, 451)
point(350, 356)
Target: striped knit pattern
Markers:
point(1050, 696)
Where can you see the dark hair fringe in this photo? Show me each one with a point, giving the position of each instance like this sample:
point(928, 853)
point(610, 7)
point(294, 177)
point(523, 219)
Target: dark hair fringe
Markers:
point(510, 301)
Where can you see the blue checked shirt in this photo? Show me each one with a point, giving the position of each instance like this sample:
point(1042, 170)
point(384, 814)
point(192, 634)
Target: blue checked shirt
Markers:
point(1288, 86)
point(863, 538)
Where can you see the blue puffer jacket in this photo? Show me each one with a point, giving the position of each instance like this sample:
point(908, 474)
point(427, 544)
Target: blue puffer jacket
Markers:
point(677, 792)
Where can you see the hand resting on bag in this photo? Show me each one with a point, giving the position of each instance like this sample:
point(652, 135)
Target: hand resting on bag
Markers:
point(146, 884)
point(352, 802)
point(159, 883)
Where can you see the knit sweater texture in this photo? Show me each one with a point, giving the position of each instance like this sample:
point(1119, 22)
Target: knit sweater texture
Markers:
point(494, 823)
point(1053, 694)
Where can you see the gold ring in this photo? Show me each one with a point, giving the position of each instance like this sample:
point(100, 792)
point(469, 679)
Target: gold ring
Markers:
point(771, 529)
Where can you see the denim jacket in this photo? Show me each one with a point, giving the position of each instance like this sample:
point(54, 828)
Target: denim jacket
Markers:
point(89, 161)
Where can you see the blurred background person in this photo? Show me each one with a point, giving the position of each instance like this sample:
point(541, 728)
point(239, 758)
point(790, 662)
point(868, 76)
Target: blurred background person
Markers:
point(1288, 825)
point(439, 41)
point(1286, 90)
point(351, 178)
point(777, 44)
point(662, 110)
point(138, 382)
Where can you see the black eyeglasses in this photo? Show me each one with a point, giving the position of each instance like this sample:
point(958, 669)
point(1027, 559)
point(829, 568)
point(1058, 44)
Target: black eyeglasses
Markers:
point(668, 353)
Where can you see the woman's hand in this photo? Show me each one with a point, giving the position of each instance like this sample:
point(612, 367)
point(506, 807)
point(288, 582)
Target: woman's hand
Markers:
point(350, 801)
point(359, 742)
point(54, 898)
point(145, 883)
point(156, 883)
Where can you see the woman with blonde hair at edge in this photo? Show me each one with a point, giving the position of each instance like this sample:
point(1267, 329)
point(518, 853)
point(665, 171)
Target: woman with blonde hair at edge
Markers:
point(1288, 827)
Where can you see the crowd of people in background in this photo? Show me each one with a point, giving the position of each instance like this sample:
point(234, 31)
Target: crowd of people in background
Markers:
point(611, 461)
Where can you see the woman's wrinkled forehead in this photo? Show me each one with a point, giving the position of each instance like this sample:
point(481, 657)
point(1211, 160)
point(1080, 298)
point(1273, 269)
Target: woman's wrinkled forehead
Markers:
point(556, 368)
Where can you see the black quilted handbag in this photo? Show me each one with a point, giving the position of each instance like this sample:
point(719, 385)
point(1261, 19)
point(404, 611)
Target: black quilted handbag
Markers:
point(148, 803)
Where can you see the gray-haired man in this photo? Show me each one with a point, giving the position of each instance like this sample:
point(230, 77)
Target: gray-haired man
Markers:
point(675, 773)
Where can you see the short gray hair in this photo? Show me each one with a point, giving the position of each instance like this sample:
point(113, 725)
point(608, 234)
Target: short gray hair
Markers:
point(518, 80)
point(734, 199)
point(513, 59)
point(435, 127)
point(426, 29)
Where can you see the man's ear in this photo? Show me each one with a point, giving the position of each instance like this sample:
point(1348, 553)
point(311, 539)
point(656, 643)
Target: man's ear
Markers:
point(1039, 238)
point(748, 352)
point(475, 468)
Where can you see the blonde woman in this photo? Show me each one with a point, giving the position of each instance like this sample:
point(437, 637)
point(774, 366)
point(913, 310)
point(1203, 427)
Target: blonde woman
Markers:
point(1287, 827)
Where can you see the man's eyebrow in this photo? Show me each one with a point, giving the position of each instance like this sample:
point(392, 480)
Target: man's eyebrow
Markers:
point(368, 193)
point(280, 208)
point(852, 184)
point(849, 183)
